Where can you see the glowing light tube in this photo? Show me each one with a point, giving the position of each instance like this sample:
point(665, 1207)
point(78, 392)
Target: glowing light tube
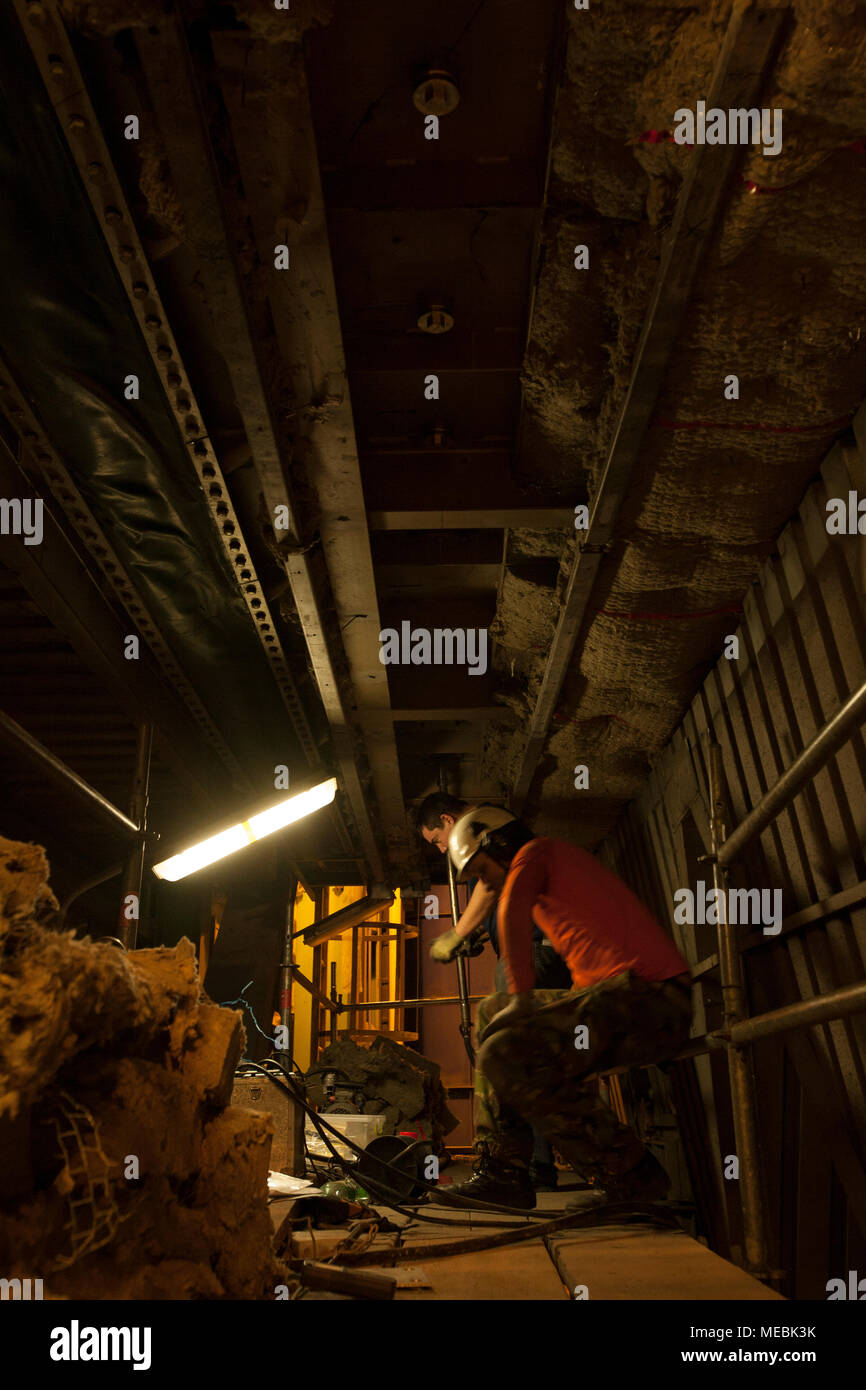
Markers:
point(208, 851)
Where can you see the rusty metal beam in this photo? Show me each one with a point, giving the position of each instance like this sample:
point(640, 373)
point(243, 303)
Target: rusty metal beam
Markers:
point(472, 519)
point(78, 121)
point(749, 44)
point(265, 89)
point(172, 82)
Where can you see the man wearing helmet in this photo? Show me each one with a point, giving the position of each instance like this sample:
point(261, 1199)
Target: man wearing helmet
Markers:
point(629, 1004)
point(436, 817)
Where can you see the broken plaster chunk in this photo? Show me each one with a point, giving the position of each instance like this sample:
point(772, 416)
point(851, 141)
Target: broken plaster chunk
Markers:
point(212, 1050)
point(235, 1161)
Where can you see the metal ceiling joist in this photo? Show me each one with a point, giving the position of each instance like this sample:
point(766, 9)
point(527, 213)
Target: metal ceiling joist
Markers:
point(749, 45)
point(172, 83)
point(265, 89)
point(476, 519)
point(78, 121)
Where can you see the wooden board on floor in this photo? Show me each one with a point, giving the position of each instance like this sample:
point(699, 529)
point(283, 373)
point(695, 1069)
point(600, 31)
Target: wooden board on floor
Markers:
point(638, 1262)
point(517, 1272)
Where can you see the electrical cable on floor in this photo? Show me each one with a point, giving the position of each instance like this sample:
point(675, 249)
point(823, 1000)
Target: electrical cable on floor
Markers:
point(272, 1069)
point(389, 1192)
point(464, 1203)
point(609, 1214)
point(512, 1234)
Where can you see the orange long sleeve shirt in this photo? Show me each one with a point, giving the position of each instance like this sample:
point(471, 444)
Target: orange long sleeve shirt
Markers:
point(593, 920)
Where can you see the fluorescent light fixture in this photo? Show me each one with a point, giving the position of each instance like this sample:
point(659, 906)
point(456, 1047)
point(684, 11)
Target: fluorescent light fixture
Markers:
point(287, 811)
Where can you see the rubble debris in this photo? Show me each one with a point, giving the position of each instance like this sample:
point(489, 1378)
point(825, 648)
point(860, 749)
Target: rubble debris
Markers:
point(397, 1083)
point(123, 1174)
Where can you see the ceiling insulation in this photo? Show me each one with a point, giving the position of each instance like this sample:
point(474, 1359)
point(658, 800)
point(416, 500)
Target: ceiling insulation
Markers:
point(778, 302)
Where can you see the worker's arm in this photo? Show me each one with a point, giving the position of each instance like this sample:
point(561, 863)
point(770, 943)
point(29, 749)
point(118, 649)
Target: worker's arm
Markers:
point(526, 882)
point(478, 909)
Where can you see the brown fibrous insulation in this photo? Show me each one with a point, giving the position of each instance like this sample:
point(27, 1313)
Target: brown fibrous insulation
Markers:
point(778, 301)
point(108, 1057)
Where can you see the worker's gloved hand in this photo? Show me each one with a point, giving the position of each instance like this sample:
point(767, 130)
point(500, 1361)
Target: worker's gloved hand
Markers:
point(520, 1007)
point(445, 946)
point(474, 943)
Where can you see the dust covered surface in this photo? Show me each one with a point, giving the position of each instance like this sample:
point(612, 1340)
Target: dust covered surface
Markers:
point(123, 1174)
point(779, 301)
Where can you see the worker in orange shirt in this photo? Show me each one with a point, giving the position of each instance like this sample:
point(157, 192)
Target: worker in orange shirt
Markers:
point(629, 1004)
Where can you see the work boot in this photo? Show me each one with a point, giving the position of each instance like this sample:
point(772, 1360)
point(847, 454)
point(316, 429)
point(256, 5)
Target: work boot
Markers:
point(646, 1182)
point(543, 1176)
point(495, 1181)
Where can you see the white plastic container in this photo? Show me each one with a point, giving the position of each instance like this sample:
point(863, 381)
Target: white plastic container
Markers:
point(359, 1128)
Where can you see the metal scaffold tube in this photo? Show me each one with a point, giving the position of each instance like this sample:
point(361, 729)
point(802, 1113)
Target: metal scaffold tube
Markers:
point(462, 970)
point(460, 961)
point(133, 876)
point(740, 1073)
point(813, 757)
point(369, 1004)
point(12, 733)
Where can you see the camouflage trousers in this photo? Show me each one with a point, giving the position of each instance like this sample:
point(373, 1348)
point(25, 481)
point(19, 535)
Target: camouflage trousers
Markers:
point(531, 1073)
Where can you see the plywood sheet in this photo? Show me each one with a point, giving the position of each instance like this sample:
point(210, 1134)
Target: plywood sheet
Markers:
point(632, 1263)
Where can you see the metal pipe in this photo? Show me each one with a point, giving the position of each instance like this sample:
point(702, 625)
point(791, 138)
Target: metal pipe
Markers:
point(335, 1001)
point(806, 1012)
point(739, 1059)
point(56, 769)
point(130, 894)
point(825, 1008)
point(287, 966)
point(317, 994)
point(346, 917)
point(821, 1009)
point(460, 960)
point(407, 1003)
point(811, 760)
point(462, 970)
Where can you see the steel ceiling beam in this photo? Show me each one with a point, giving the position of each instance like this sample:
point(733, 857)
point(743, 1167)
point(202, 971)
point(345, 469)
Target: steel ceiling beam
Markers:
point(749, 45)
point(265, 89)
point(474, 519)
point(242, 334)
point(78, 121)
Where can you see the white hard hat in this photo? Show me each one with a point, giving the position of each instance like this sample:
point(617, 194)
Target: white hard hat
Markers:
point(470, 834)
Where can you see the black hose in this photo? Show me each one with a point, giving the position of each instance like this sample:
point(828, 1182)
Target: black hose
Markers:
point(469, 1203)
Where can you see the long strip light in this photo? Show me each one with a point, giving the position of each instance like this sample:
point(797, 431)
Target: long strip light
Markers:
point(287, 811)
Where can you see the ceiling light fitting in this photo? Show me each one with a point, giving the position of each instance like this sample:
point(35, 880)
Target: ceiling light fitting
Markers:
point(436, 319)
point(286, 812)
point(437, 93)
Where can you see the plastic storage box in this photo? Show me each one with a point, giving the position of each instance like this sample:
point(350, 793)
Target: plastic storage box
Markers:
point(359, 1128)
